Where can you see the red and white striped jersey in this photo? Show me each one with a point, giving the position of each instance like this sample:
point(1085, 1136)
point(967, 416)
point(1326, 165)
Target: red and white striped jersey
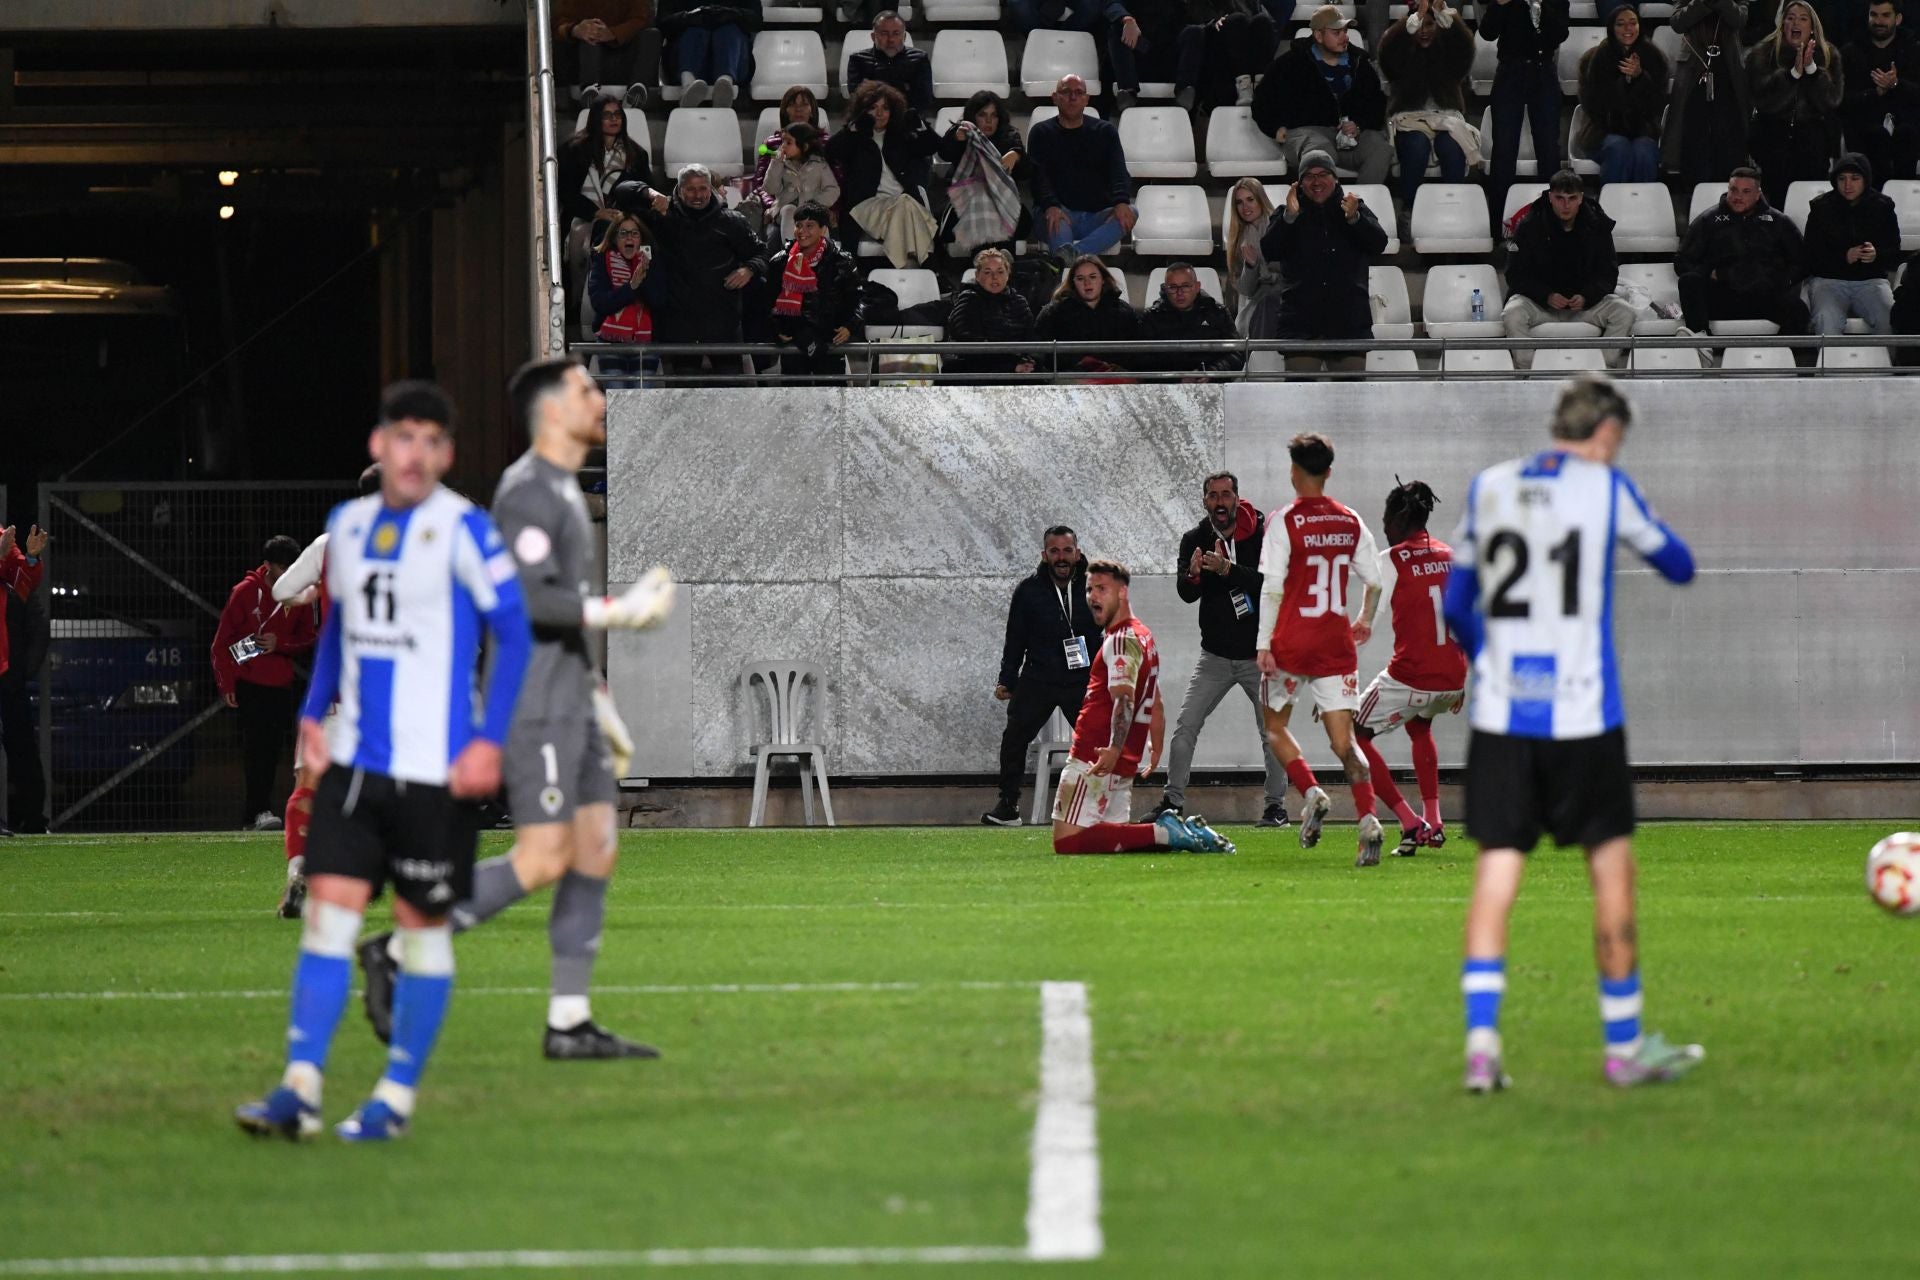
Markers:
point(1312, 544)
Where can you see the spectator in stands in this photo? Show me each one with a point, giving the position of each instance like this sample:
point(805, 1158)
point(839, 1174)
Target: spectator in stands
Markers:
point(1089, 307)
point(712, 47)
point(606, 42)
point(1562, 267)
point(986, 310)
point(1322, 94)
point(22, 645)
point(596, 160)
point(623, 297)
point(1623, 87)
point(1705, 136)
point(797, 106)
point(1224, 47)
point(1080, 182)
point(253, 649)
point(884, 156)
point(1525, 83)
point(1742, 260)
point(986, 112)
point(1184, 312)
point(1254, 280)
point(1853, 245)
point(1881, 103)
point(1059, 15)
point(1906, 313)
point(889, 61)
point(706, 254)
point(817, 305)
point(1321, 242)
point(1427, 60)
point(799, 174)
point(1154, 40)
point(1795, 78)
point(983, 210)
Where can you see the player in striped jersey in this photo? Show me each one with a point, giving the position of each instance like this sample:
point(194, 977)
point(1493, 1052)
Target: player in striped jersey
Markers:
point(1121, 729)
point(415, 575)
point(1531, 599)
point(1427, 675)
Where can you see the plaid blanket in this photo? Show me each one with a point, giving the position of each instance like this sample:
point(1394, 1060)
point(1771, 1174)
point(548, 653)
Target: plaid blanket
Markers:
point(985, 198)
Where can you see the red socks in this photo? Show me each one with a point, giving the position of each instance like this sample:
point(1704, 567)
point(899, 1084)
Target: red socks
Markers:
point(1110, 837)
point(299, 814)
point(1300, 775)
point(1426, 768)
point(1384, 788)
point(1362, 799)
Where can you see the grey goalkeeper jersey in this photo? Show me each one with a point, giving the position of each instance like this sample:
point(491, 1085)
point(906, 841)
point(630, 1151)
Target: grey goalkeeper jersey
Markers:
point(543, 518)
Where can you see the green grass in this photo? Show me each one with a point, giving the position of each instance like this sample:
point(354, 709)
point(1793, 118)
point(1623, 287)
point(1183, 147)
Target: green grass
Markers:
point(1276, 1038)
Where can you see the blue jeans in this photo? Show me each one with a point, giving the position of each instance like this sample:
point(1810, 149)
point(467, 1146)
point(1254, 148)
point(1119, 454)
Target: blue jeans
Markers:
point(1416, 149)
point(1624, 159)
point(1094, 232)
point(1834, 300)
point(1028, 15)
point(1530, 89)
point(712, 52)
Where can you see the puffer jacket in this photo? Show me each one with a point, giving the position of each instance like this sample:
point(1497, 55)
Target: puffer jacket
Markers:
point(834, 304)
point(979, 316)
point(697, 250)
point(1294, 92)
point(1835, 226)
point(1206, 318)
point(1323, 269)
point(1615, 104)
point(1530, 269)
point(1758, 252)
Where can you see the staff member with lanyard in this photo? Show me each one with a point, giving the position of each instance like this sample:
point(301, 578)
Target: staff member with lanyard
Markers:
point(1051, 640)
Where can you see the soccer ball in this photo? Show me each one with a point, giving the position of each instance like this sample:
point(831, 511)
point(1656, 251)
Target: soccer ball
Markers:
point(1893, 873)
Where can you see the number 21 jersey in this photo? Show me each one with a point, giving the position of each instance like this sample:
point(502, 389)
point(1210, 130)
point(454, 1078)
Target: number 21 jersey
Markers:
point(1303, 597)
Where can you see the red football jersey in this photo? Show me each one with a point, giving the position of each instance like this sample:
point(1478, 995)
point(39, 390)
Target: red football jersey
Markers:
point(1303, 600)
point(1127, 659)
point(1414, 576)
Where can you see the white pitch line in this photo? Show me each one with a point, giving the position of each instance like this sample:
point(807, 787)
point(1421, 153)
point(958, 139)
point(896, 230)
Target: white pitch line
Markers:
point(1063, 1193)
point(508, 1260)
point(713, 989)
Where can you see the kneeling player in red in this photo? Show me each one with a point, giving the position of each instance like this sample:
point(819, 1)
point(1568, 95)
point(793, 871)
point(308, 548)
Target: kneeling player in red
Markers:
point(1121, 721)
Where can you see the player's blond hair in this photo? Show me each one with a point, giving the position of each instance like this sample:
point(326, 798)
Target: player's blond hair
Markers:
point(1586, 402)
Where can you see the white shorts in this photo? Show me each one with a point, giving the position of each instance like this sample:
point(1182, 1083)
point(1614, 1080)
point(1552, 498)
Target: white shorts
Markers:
point(1086, 799)
point(1388, 704)
point(1330, 693)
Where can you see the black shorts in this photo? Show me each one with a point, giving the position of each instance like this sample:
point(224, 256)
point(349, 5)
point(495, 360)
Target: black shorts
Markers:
point(375, 828)
point(1578, 790)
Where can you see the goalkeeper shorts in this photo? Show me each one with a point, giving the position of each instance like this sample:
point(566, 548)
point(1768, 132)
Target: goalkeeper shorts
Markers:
point(553, 766)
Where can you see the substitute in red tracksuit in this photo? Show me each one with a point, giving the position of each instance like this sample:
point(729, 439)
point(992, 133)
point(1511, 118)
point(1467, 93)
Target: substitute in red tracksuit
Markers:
point(19, 575)
point(253, 652)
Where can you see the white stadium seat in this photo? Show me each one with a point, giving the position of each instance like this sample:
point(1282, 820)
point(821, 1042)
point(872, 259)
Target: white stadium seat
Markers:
point(1905, 194)
point(1705, 196)
point(1519, 196)
point(1052, 54)
point(1557, 360)
point(942, 12)
point(1757, 358)
point(1528, 164)
point(1662, 285)
point(1392, 362)
point(1667, 359)
point(1158, 142)
point(1379, 199)
point(1578, 41)
point(1451, 217)
point(1489, 360)
point(1642, 214)
point(1800, 199)
point(1209, 278)
point(1855, 358)
point(1447, 307)
point(1742, 328)
point(792, 15)
point(704, 135)
point(782, 59)
point(1577, 158)
point(965, 62)
point(1237, 149)
point(1667, 41)
point(1392, 312)
point(1486, 61)
point(1175, 222)
point(912, 287)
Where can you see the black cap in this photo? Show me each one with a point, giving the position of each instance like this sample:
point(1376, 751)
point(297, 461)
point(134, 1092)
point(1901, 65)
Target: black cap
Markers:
point(1851, 162)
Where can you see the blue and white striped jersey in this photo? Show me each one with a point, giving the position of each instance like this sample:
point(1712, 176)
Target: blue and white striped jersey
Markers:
point(1531, 594)
point(410, 593)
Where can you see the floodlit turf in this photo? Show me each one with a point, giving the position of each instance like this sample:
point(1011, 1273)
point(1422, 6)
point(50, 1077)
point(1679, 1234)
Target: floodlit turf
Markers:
point(1276, 1041)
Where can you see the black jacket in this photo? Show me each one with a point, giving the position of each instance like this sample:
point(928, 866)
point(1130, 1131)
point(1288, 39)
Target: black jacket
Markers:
point(1295, 93)
point(1758, 252)
point(1207, 318)
point(1323, 269)
point(1510, 26)
point(697, 251)
point(1037, 631)
point(911, 72)
point(1070, 320)
point(1534, 257)
point(1862, 106)
point(908, 151)
point(1222, 634)
point(575, 159)
point(979, 316)
point(1615, 104)
point(1439, 71)
point(1834, 226)
point(836, 303)
point(677, 16)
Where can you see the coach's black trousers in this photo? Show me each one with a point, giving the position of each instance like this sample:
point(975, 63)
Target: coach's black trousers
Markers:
point(1033, 702)
point(26, 782)
point(266, 736)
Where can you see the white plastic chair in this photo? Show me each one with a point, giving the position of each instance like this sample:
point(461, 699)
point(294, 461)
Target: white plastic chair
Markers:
point(1392, 309)
point(1157, 141)
point(784, 58)
point(1800, 201)
point(1662, 285)
point(1048, 755)
point(1667, 359)
point(704, 135)
point(1237, 149)
point(940, 12)
point(1905, 194)
point(1486, 63)
point(1392, 361)
point(1174, 222)
point(1528, 163)
point(1209, 278)
point(1489, 360)
point(1052, 54)
point(1757, 358)
point(1451, 217)
point(792, 15)
point(1447, 307)
point(1577, 158)
point(786, 701)
point(912, 286)
point(1519, 196)
point(1568, 360)
point(1705, 196)
point(1742, 328)
point(1667, 41)
point(1378, 198)
point(964, 62)
point(1855, 358)
point(1642, 214)
point(1567, 61)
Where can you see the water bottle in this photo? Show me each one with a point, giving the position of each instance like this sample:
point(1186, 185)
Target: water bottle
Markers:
point(1479, 308)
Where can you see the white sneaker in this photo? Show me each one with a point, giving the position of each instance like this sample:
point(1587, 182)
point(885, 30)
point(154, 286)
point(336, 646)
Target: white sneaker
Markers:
point(1314, 816)
point(265, 821)
point(1372, 836)
point(1243, 91)
point(724, 92)
point(693, 91)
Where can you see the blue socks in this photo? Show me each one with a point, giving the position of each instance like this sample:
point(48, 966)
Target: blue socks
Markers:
point(1620, 1014)
point(420, 998)
point(1482, 983)
point(320, 987)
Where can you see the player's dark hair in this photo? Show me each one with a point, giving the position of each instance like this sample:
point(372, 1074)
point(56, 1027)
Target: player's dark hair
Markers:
point(1228, 476)
point(533, 382)
point(1408, 506)
point(370, 479)
point(1059, 531)
point(1585, 403)
point(281, 550)
point(1112, 568)
point(1311, 452)
point(419, 400)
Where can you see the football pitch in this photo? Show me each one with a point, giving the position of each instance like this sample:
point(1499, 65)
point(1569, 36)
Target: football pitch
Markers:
point(877, 1059)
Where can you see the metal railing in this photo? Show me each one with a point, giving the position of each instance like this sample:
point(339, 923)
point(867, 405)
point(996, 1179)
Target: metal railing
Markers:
point(543, 103)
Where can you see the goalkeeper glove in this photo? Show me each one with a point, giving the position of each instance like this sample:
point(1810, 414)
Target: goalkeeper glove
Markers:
point(645, 604)
point(613, 729)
